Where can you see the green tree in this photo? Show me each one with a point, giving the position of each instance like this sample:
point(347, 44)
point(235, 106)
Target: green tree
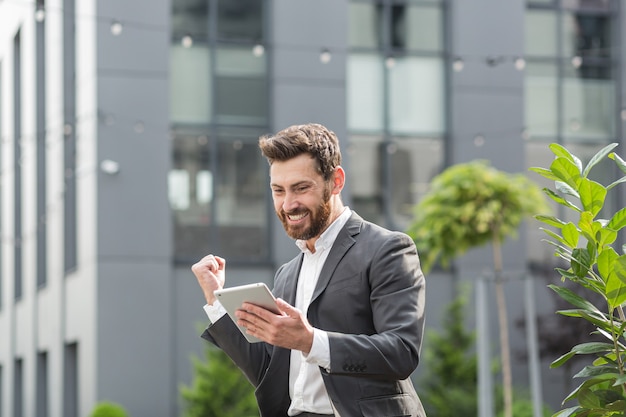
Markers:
point(449, 387)
point(471, 205)
point(585, 242)
point(219, 389)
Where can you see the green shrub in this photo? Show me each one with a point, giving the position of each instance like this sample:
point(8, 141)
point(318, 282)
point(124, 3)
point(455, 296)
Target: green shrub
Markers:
point(219, 389)
point(108, 409)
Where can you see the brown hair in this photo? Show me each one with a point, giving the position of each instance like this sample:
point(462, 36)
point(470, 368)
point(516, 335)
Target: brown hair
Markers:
point(312, 138)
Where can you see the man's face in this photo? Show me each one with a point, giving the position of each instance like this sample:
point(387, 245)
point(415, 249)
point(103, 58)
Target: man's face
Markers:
point(301, 197)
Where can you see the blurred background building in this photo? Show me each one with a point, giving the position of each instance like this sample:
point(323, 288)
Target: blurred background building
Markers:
point(129, 150)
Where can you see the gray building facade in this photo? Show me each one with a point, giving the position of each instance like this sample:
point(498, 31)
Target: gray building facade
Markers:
point(128, 151)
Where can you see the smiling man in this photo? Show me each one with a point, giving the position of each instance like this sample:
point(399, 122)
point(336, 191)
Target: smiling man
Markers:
point(352, 302)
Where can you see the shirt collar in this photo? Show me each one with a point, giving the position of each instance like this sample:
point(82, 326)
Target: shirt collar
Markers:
point(327, 238)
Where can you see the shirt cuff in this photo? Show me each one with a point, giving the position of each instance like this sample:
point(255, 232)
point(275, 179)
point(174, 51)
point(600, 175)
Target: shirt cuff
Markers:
point(214, 311)
point(320, 350)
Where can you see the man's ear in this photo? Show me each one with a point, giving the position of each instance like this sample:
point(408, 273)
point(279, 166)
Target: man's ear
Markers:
point(339, 180)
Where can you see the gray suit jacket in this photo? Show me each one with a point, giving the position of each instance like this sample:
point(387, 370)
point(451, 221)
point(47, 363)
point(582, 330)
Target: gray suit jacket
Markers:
point(370, 300)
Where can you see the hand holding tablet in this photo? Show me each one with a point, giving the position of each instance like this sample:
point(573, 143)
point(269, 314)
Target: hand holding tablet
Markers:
point(258, 294)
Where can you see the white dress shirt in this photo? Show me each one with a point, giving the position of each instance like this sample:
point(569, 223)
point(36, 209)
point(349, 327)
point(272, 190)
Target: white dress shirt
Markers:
point(306, 387)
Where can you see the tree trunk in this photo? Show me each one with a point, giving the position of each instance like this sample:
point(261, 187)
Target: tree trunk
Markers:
point(505, 349)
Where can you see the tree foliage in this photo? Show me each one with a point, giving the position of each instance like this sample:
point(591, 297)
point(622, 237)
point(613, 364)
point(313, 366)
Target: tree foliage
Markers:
point(449, 388)
point(219, 389)
point(470, 205)
point(466, 205)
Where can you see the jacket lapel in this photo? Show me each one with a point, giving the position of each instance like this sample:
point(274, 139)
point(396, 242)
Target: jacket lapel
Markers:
point(344, 241)
point(290, 281)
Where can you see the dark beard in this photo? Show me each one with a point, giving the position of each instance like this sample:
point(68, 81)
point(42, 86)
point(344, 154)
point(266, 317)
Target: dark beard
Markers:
point(319, 220)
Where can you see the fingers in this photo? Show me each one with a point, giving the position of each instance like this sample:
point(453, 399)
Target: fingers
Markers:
point(211, 263)
point(287, 308)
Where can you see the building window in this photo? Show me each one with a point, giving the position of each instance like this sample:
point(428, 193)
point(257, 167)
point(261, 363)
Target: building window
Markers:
point(40, 51)
point(398, 122)
point(18, 388)
point(17, 158)
point(218, 188)
point(570, 90)
point(219, 95)
point(70, 380)
point(2, 283)
point(69, 116)
point(41, 393)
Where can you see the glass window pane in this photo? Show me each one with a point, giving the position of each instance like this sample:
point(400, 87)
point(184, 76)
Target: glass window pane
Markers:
point(588, 104)
point(586, 35)
point(541, 33)
point(413, 162)
point(241, 87)
point(188, 199)
point(365, 92)
point(241, 205)
point(424, 28)
point(364, 26)
point(365, 175)
point(417, 96)
point(240, 19)
point(190, 84)
point(587, 4)
point(541, 104)
point(190, 17)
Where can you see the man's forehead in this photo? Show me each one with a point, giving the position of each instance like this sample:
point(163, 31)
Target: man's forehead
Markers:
point(289, 173)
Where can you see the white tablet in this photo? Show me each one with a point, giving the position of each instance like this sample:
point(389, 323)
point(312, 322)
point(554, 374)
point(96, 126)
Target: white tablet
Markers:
point(258, 294)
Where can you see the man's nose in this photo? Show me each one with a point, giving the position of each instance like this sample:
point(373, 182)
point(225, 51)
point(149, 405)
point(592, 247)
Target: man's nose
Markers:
point(290, 202)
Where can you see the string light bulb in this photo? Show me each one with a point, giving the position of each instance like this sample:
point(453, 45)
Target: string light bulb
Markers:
point(258, 50)
point(325, 56)
point(458, 64)
point(116, 28)
point(520, 63)
point(40, 14)
point(577, 61)
point(186, 41)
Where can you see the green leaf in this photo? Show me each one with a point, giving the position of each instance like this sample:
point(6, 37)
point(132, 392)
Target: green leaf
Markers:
point(561, 360)
point(588, 399)
point(544, 173)
point(566, 171)
point(618, 221)
point(605, 262)
point(566, 189)
point(570, 234)
point(592, 195)
point(581, 262)
point(559, 150)
point(616, 182)
point(560, 200)
point(605, 371)
point(573, 298)
point(618, 161)
point(616, 283)
point(599, 156)
point(567, 412)
point(554, 236)
point(550, 220)
point(592, 347)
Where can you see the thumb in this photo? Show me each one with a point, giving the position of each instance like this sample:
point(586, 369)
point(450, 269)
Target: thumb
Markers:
point(287, 308)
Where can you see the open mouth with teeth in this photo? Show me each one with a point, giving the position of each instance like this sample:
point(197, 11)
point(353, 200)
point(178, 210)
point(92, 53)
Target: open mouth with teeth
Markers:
point(296, 217)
